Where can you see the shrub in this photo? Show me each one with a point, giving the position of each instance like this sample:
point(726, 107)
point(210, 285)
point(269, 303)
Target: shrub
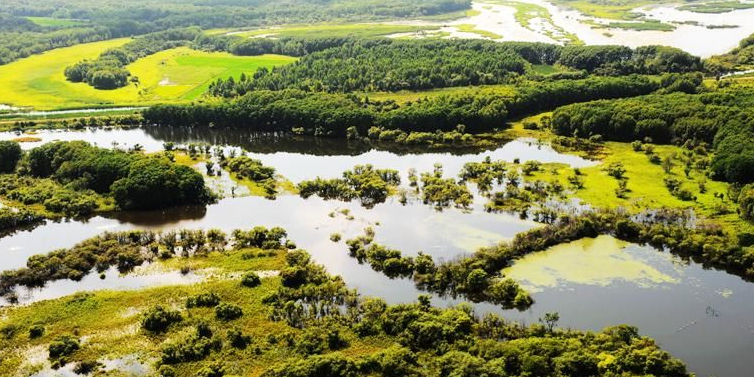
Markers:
point(228, 312)
point(158, 319)
point(215, 369)
point(746, 202)
point(204, 300)
point(251, 280)
point(63, 346)
point(157, 183)
point(237, 339)
point(36, 331)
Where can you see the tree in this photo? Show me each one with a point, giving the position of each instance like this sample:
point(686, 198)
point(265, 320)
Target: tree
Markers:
point(250, 280)
point(158, 319)
point(550, 320)
point(10, 154)
point(157, 183)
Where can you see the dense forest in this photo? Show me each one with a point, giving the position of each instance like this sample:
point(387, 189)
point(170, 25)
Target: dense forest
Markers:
point(326, 114)
point(722, 119)
point(393, 65)
point(73, 178)
point(99, 21)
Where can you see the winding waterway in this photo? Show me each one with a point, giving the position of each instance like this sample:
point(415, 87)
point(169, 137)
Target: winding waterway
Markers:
point(701, 34)
point(700, 315)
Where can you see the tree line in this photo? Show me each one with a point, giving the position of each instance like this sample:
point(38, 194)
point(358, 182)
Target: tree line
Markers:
point(97, 21)
point(72, 177)
point(721, 118)
point(394, 65)
point(332, 114)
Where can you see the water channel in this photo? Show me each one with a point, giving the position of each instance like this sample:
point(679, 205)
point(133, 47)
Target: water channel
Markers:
point(702, 316)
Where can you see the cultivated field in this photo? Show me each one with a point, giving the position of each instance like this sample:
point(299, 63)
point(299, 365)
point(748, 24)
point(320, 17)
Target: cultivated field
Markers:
point(169, 76)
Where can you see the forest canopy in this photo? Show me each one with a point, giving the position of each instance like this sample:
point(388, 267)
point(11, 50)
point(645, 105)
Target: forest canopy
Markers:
point(394, 65)
point(722, 119)
point(97, 20)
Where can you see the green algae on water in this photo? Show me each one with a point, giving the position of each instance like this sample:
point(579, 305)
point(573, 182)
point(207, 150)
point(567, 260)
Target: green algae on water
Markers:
point(597, 261)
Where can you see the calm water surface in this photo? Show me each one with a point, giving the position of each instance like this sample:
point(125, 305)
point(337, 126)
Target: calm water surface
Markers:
point(702, 316)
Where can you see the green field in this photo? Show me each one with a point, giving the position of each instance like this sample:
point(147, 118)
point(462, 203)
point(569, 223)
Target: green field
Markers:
point(336, 30)
point(716, 7)
point(466, 28)
point(608, 9)
point(175, 75)
point(54, 22)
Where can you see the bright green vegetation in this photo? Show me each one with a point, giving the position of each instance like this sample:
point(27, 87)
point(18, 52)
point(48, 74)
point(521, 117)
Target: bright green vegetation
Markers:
point(716, 6)
point(77, 179)
point(371, 186)
point(108, 70)
point(740, 58)
point(330, 30)
point(261, 180)
point(467, 28)
point(593, 261)
point(642, 25)
point(54, 22)
point(526, 12)
point(175, 75)
point(225, 327)
point(20, 37)
point(608, 9)
point(323, 114)
point(688, 119)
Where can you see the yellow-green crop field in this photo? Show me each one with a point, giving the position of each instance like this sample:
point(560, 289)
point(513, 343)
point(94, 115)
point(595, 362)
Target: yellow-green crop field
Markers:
point(174, 75)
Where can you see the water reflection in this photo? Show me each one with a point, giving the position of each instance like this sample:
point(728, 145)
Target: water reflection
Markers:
point(298, 157)
point(702, 316)
point(412, 227)
point(699, 315)
point(113, 280)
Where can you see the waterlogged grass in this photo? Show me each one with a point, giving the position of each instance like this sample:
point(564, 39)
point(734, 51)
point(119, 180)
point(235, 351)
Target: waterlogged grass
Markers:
point(109, 321)
point(527, 13)
point(600, 261)
point(230, 262)
point(329, 30)
point(642, 26)
point(610, 9)
point(54, 22)
point(467, 28)
point(716, 7)
point(618, 10)
point(175, 75)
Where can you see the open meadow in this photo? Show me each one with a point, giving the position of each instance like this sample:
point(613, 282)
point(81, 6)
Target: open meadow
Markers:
point(174, 75)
